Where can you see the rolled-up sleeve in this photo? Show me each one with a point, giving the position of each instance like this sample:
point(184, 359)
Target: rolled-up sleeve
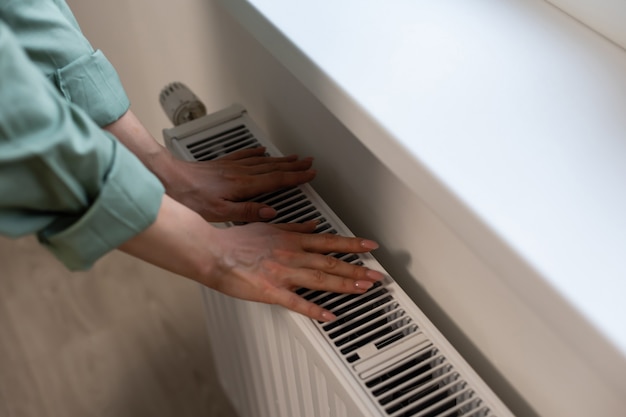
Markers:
point(61, 176)
point(48, 32)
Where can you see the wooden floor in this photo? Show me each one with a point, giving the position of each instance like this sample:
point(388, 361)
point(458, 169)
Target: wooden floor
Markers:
point(124, 339)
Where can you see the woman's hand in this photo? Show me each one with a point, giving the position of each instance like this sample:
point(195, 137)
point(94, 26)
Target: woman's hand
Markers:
point(266, 263)
point(218, 189)
point(257, 262)
point(215, 189)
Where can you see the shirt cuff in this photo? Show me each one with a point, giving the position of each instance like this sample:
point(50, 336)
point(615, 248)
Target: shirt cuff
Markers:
point(127, 204)
point(92, 83)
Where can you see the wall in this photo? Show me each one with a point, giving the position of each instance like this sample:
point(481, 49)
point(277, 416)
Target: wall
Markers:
point(196, 42)
point(152, 43)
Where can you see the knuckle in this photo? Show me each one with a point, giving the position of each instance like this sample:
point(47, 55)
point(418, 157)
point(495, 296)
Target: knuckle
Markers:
point(292, 302)
point(347, 285)
point(312, 310)
point(319, 277)
point(250, 211)
point(329, 238)
point(331, 262)
point(358, 272)
point(270, 268)
point(283, 256)
point(220, 210)
point(266, 293)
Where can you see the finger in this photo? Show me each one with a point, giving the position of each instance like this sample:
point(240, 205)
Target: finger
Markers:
point(307, 227)
point(253, 186)
point(294, 302)
point(321, 281)
point(256, 166)
point(243, 154)
point(257, 156)
point(247, 212)
point(328, 243)
point(329, 273)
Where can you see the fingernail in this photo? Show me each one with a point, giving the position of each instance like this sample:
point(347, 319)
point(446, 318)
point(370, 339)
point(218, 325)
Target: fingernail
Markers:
point(375, 275)
point(369, 244)
point(363, 285)
point(267, 213)
point(328, 316)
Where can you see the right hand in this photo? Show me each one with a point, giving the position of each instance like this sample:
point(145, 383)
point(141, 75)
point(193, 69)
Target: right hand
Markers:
point(257, 262)
point(266, 263)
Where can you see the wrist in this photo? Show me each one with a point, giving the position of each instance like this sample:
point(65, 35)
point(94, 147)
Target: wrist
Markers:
point(132, 134)
point(179, 241)
point(163, 165)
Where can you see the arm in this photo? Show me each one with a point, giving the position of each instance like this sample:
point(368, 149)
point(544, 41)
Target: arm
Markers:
point(215, 189)
point(49, 34)
point(256, 262)
point(64, 178)
point(61, 176)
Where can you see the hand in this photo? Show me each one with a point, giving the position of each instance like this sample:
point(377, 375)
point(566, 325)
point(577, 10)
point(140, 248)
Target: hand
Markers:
point(266, 263)
point(218, 189)
point(257, 262)
point(215, 189)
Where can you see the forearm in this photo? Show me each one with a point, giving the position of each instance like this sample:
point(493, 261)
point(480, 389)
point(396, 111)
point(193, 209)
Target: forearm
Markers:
point(61, 176)
point(218, 189)
point(179, 241)
point(132, 134)
point(255, 262)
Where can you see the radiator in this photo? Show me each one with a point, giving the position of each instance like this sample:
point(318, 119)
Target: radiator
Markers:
point(381, 357)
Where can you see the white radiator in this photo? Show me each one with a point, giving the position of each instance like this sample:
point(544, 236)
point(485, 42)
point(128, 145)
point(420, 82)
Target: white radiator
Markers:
point(381, 357)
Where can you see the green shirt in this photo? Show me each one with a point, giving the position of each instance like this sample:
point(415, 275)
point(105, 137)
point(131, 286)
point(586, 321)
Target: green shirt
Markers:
point(61, 176)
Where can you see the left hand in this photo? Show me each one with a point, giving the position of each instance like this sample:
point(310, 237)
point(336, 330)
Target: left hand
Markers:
point(218, 189)
point(215, 189)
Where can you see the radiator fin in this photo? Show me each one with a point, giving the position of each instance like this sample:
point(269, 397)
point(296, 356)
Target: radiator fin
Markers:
point(287, 379)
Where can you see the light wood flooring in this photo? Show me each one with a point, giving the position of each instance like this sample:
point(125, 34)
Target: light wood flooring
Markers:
point(123, 339)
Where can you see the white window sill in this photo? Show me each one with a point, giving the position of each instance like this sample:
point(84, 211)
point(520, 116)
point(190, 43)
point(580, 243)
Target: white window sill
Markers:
point(507, 118)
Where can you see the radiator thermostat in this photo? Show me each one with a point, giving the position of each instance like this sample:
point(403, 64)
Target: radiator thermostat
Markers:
point(180, 104)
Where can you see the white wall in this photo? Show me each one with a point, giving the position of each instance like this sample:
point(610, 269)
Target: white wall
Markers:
point(152, 43)
point(194, 41)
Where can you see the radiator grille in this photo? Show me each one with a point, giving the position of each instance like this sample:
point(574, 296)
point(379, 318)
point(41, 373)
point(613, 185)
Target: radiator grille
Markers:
point(383, 340)
point(222, 143)
point(293, 206)
point(363, 320)
point(425, 384)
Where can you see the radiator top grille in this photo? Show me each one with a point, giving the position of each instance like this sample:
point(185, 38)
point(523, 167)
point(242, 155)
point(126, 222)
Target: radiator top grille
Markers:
point(386, 349)
point(223, 143)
